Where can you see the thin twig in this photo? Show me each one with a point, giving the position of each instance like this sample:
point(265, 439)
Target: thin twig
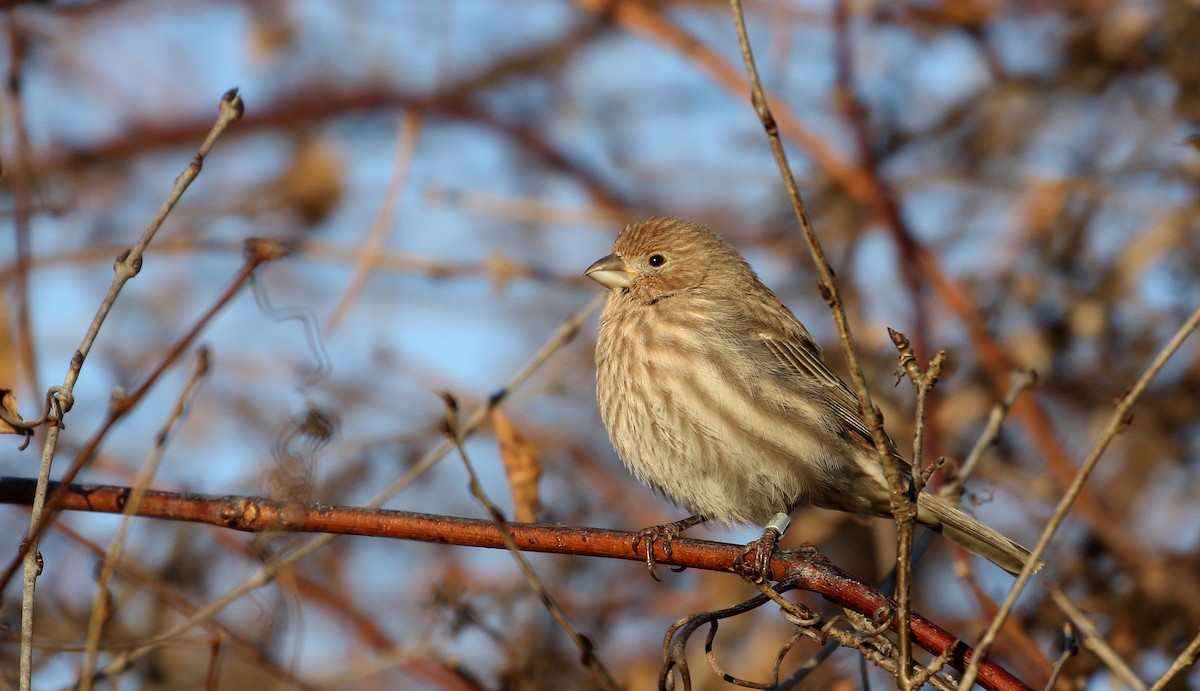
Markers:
point(372, 249)
point(266, 573)
point(1186, 659)
point(125, 268)
point(1022, 379)
point(924, 381)
point(1116, 424)
point(1093, 641)
point(100, 603)
point(902, 503)
point(828, 284)
point(257, 252)
point(1070, 650)
point(565, 332)
point(586, 648)
point(153, 584)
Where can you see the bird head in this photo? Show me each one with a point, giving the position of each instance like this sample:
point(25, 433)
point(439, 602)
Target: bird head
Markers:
point(658, 257)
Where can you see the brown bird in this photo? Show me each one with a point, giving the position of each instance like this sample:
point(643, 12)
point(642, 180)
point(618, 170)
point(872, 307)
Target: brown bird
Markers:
point(715, 395)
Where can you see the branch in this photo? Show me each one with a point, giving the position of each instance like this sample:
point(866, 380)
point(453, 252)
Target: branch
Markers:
point(807, 568)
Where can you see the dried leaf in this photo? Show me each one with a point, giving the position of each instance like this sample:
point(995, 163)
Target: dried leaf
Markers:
point(521, 462)
point(8, 401)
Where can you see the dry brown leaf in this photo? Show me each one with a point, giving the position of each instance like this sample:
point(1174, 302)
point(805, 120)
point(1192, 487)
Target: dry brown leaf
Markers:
point(524, 469)
point(8, 401)
point(312, 185)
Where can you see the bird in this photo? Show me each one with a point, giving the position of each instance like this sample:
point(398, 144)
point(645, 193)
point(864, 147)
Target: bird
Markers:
point(716, 396)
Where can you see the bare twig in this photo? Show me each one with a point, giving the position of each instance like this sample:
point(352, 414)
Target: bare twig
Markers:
point(257, 252)
point(678, 634)
point(828, 282)
point(905, 511)
point(368, 258)
point(1116, 423)
point(1070, 649)
point(266, 573)
point(1093, 641)
point(100, 602)
point(1186, 659)
point(587, 650)
point(126, 267)
point(1021, 380)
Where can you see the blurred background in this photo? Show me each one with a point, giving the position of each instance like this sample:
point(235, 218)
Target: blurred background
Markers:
point(1013, 182)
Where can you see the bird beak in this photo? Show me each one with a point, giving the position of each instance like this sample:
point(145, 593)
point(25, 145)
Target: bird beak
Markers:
point(610, 272)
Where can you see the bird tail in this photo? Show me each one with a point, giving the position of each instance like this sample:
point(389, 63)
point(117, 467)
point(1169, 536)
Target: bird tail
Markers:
point(964, 531)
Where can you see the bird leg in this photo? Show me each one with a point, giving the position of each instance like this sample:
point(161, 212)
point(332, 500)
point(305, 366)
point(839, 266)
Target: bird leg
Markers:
point(758, 569)
point(665, 534)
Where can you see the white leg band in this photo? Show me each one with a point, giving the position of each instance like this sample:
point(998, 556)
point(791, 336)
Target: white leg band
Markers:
point(779, 523)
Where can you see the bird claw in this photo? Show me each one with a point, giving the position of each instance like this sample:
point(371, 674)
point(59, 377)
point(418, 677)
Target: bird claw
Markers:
point(758, 568)
point(665, 534)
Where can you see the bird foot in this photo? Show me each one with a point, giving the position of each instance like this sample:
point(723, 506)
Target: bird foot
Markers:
point(754, 563)
point(665, 534)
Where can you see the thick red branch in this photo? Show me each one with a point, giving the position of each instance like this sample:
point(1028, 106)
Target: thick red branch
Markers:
point(807, 567)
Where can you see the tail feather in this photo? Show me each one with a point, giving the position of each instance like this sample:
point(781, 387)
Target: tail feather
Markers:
point(964, 531)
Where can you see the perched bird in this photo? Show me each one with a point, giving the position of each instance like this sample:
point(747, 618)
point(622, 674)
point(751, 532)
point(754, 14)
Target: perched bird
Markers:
point(715, 395)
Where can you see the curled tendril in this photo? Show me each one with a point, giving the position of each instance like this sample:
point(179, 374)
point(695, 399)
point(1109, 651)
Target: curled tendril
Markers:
point(674, 643)
point(58, 401)
point(882, 618)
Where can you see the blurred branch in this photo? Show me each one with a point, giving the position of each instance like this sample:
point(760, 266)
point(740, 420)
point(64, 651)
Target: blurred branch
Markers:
point(101, 601)
point(257, 252)
point(525, 209)
point(587, 651)
point(500, 268)
point(368, 258)
point(1093, 641)
point(1118, 421)
point(807, 569)
point(1070, 649)
point(1187, 658)
point(1021, 380)
point(20, 179)
point(176, 601)
point(300, 107)
point(882, 200)
point(127, 265)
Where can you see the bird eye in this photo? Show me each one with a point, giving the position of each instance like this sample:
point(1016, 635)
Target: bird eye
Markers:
point(657, 260)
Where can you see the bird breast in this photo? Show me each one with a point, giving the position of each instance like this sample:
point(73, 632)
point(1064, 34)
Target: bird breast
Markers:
point(693, 415)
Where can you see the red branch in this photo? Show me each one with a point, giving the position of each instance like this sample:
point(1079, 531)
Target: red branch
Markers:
point(807, 568)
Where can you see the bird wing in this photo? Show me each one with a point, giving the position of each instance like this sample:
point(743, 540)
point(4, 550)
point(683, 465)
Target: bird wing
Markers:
point(803, 356)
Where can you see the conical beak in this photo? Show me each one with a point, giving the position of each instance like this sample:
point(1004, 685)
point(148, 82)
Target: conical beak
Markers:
point(610, 272)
